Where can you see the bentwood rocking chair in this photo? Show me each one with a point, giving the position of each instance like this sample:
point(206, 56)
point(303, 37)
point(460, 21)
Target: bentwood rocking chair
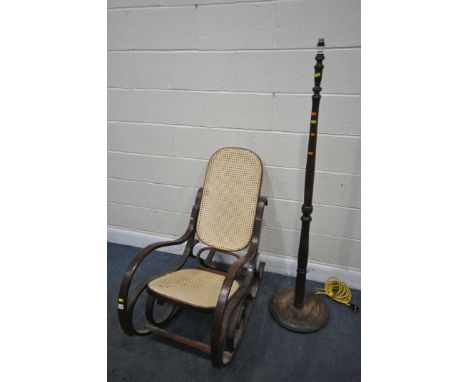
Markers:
point(226, 218)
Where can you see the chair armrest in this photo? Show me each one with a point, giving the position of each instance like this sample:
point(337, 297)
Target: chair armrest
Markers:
point(133, 267)
point(251, 254)
point(231, 275)
point(219, 324)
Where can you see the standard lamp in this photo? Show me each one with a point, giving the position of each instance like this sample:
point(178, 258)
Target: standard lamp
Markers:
point(296, 309)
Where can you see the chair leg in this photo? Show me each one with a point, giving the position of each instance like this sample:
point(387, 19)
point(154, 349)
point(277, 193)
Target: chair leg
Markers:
point(126, 313)
point(260, 270)
point(226, 340)
point(238, 323)
point(164, 311)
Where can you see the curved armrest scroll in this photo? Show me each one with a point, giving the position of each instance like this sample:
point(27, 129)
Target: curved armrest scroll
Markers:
point(132, 268)
point(219, 323)
point(232, 274)
point(237, 266)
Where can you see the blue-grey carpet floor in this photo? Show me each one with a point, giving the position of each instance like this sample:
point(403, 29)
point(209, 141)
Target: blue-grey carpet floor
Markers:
point(268, 352)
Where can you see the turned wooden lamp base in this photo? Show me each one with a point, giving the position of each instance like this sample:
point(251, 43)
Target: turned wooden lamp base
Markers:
point(310, 318)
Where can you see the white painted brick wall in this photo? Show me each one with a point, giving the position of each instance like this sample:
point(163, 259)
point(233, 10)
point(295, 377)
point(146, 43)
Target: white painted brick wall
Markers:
point(251, 71)
point(187, 77)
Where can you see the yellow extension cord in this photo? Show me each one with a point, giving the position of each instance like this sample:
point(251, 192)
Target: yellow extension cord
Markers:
point(337, 290)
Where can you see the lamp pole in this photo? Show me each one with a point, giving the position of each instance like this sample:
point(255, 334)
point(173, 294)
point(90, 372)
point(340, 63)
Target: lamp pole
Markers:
point(295, 309)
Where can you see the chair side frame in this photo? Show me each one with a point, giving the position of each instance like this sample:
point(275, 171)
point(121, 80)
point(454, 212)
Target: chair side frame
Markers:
point(244, 266)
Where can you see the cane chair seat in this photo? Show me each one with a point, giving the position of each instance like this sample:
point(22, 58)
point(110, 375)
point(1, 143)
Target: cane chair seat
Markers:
point(191, 286)
point(230, 196)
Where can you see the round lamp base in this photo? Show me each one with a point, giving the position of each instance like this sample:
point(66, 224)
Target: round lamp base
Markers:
point(311, 317)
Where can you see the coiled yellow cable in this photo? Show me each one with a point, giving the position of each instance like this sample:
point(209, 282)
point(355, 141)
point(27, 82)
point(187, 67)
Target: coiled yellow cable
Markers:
point(337, 290)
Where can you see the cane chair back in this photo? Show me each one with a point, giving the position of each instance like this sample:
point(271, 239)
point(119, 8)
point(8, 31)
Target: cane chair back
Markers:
point(230, 195)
